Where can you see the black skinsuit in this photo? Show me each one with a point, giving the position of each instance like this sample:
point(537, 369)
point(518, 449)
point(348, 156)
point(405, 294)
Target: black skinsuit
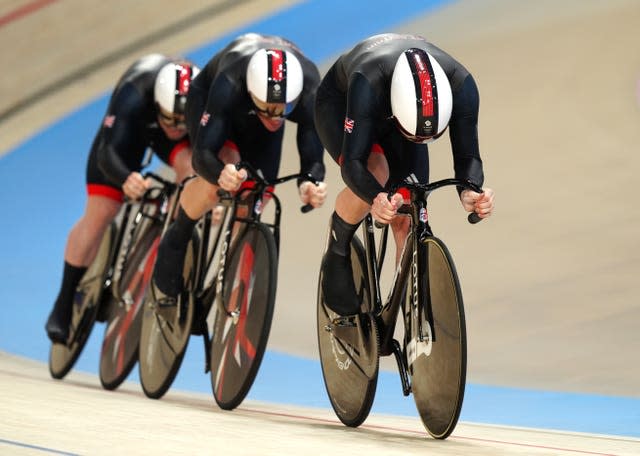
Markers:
point(358, 87)
point(219, 109)
point(129, 127)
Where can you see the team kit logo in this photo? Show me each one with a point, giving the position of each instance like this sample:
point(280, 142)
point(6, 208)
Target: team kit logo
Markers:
point(109, 121)
point(349, 124)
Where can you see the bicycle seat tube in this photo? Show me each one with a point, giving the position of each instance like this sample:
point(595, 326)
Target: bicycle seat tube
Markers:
point(388, 315)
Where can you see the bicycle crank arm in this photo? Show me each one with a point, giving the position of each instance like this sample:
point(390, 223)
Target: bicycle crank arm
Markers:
point(402, 367)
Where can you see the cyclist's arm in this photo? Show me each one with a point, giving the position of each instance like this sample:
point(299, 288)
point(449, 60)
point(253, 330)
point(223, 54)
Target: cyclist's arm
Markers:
point(463, 132)
point(214, 128)
point(356, 145)
point(309, 145)
point(122, 127)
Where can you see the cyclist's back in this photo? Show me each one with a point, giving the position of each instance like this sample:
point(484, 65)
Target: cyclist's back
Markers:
point(376, 57)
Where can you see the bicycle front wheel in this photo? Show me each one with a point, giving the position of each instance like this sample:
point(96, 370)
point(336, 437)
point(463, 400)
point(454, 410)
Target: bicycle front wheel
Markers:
point(165, 332)
point(436, 344)
point(242, 321)
point(86, 303)
point(122, 333)
point(349, 355)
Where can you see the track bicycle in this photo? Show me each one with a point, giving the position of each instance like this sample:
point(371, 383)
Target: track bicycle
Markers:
point(425, 292)
point(230, 277)
point(113, 285)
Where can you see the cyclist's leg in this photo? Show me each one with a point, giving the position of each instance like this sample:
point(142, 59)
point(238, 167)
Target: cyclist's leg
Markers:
point(337, 278)
point(102, 206)
point(198, 197)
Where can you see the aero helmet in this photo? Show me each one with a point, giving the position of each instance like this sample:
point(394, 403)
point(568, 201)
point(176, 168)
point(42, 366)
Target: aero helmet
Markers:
point(171, 88)
point(274, 76)
point(421, 99)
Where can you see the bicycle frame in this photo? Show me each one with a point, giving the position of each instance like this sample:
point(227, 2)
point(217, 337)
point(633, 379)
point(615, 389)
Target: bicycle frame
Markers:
point(155, 197)
point(253, 199)
point(412, 264)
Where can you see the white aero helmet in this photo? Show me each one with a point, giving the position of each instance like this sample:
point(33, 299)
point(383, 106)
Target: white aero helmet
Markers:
point(421, 99)
point(171, 88)
point(274, 76)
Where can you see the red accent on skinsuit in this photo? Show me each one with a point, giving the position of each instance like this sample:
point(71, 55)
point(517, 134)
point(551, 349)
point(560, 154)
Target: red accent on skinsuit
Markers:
point(106, 191)
point(182, 145)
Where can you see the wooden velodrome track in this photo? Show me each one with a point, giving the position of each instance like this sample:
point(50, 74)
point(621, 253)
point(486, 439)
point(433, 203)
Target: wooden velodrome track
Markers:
point(550, 282)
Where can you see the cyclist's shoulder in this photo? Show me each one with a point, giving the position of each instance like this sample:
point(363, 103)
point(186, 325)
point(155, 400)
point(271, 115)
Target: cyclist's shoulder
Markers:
point(143, 71)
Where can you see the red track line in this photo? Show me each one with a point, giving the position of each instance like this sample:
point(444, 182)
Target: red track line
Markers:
point(454, 437)
point(24, 10)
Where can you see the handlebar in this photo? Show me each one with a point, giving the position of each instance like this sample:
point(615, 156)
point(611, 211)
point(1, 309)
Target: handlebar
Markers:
point(166, 187)
point(426, 189)
point(257, 176)
point(159, 179)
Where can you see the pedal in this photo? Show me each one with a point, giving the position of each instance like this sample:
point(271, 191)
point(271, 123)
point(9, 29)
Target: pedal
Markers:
point(346, 321)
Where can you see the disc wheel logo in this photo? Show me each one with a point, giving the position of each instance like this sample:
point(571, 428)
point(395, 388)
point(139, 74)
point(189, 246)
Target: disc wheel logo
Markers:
point(342, 357)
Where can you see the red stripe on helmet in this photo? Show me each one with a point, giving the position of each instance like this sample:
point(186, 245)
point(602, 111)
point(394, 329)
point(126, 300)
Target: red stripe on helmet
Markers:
point(183, 80)
point(277, 65)
point(426, 85)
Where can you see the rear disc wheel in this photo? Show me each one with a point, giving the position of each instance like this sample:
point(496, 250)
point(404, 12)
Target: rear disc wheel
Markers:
point(86, 303)
point(349, 351)
point(165, 332)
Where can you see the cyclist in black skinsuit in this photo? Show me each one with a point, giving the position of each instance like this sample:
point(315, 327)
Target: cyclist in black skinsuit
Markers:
point(376, 109)
point(236, 110)
point(146, 110)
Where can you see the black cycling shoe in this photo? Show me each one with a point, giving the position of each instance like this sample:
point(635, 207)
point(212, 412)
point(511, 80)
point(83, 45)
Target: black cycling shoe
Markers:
point(166, 306)
point(58, 324)
point(338, 288)
point(161, 298)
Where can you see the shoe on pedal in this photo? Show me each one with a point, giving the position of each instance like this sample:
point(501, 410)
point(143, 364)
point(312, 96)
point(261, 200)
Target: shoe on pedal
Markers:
point(338, 288)
point(166, 306)
point(161, 298)
point(57, 325)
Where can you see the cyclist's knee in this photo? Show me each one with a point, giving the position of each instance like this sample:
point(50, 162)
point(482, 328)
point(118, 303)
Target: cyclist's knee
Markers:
point(210, 193)
point(400, 225)
point(100, 211)
point(181, 164)
point(198, 197)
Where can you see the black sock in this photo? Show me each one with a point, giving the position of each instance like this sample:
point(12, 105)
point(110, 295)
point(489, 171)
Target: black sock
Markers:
point(167, 274)
point(340, 235)
point(338, 286)
point(61, 313)
point(71, 277)
point(179, 233)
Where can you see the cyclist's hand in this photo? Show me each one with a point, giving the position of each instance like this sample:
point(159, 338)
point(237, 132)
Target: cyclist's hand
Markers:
point(135, 186)
point(480, 203)
point(313, 194)
point(231, 178)
point(384, 209)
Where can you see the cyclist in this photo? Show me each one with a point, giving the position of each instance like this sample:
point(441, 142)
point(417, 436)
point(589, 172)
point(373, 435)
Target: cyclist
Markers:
point(376, 109)
point(146, 110)
point(236, 110)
